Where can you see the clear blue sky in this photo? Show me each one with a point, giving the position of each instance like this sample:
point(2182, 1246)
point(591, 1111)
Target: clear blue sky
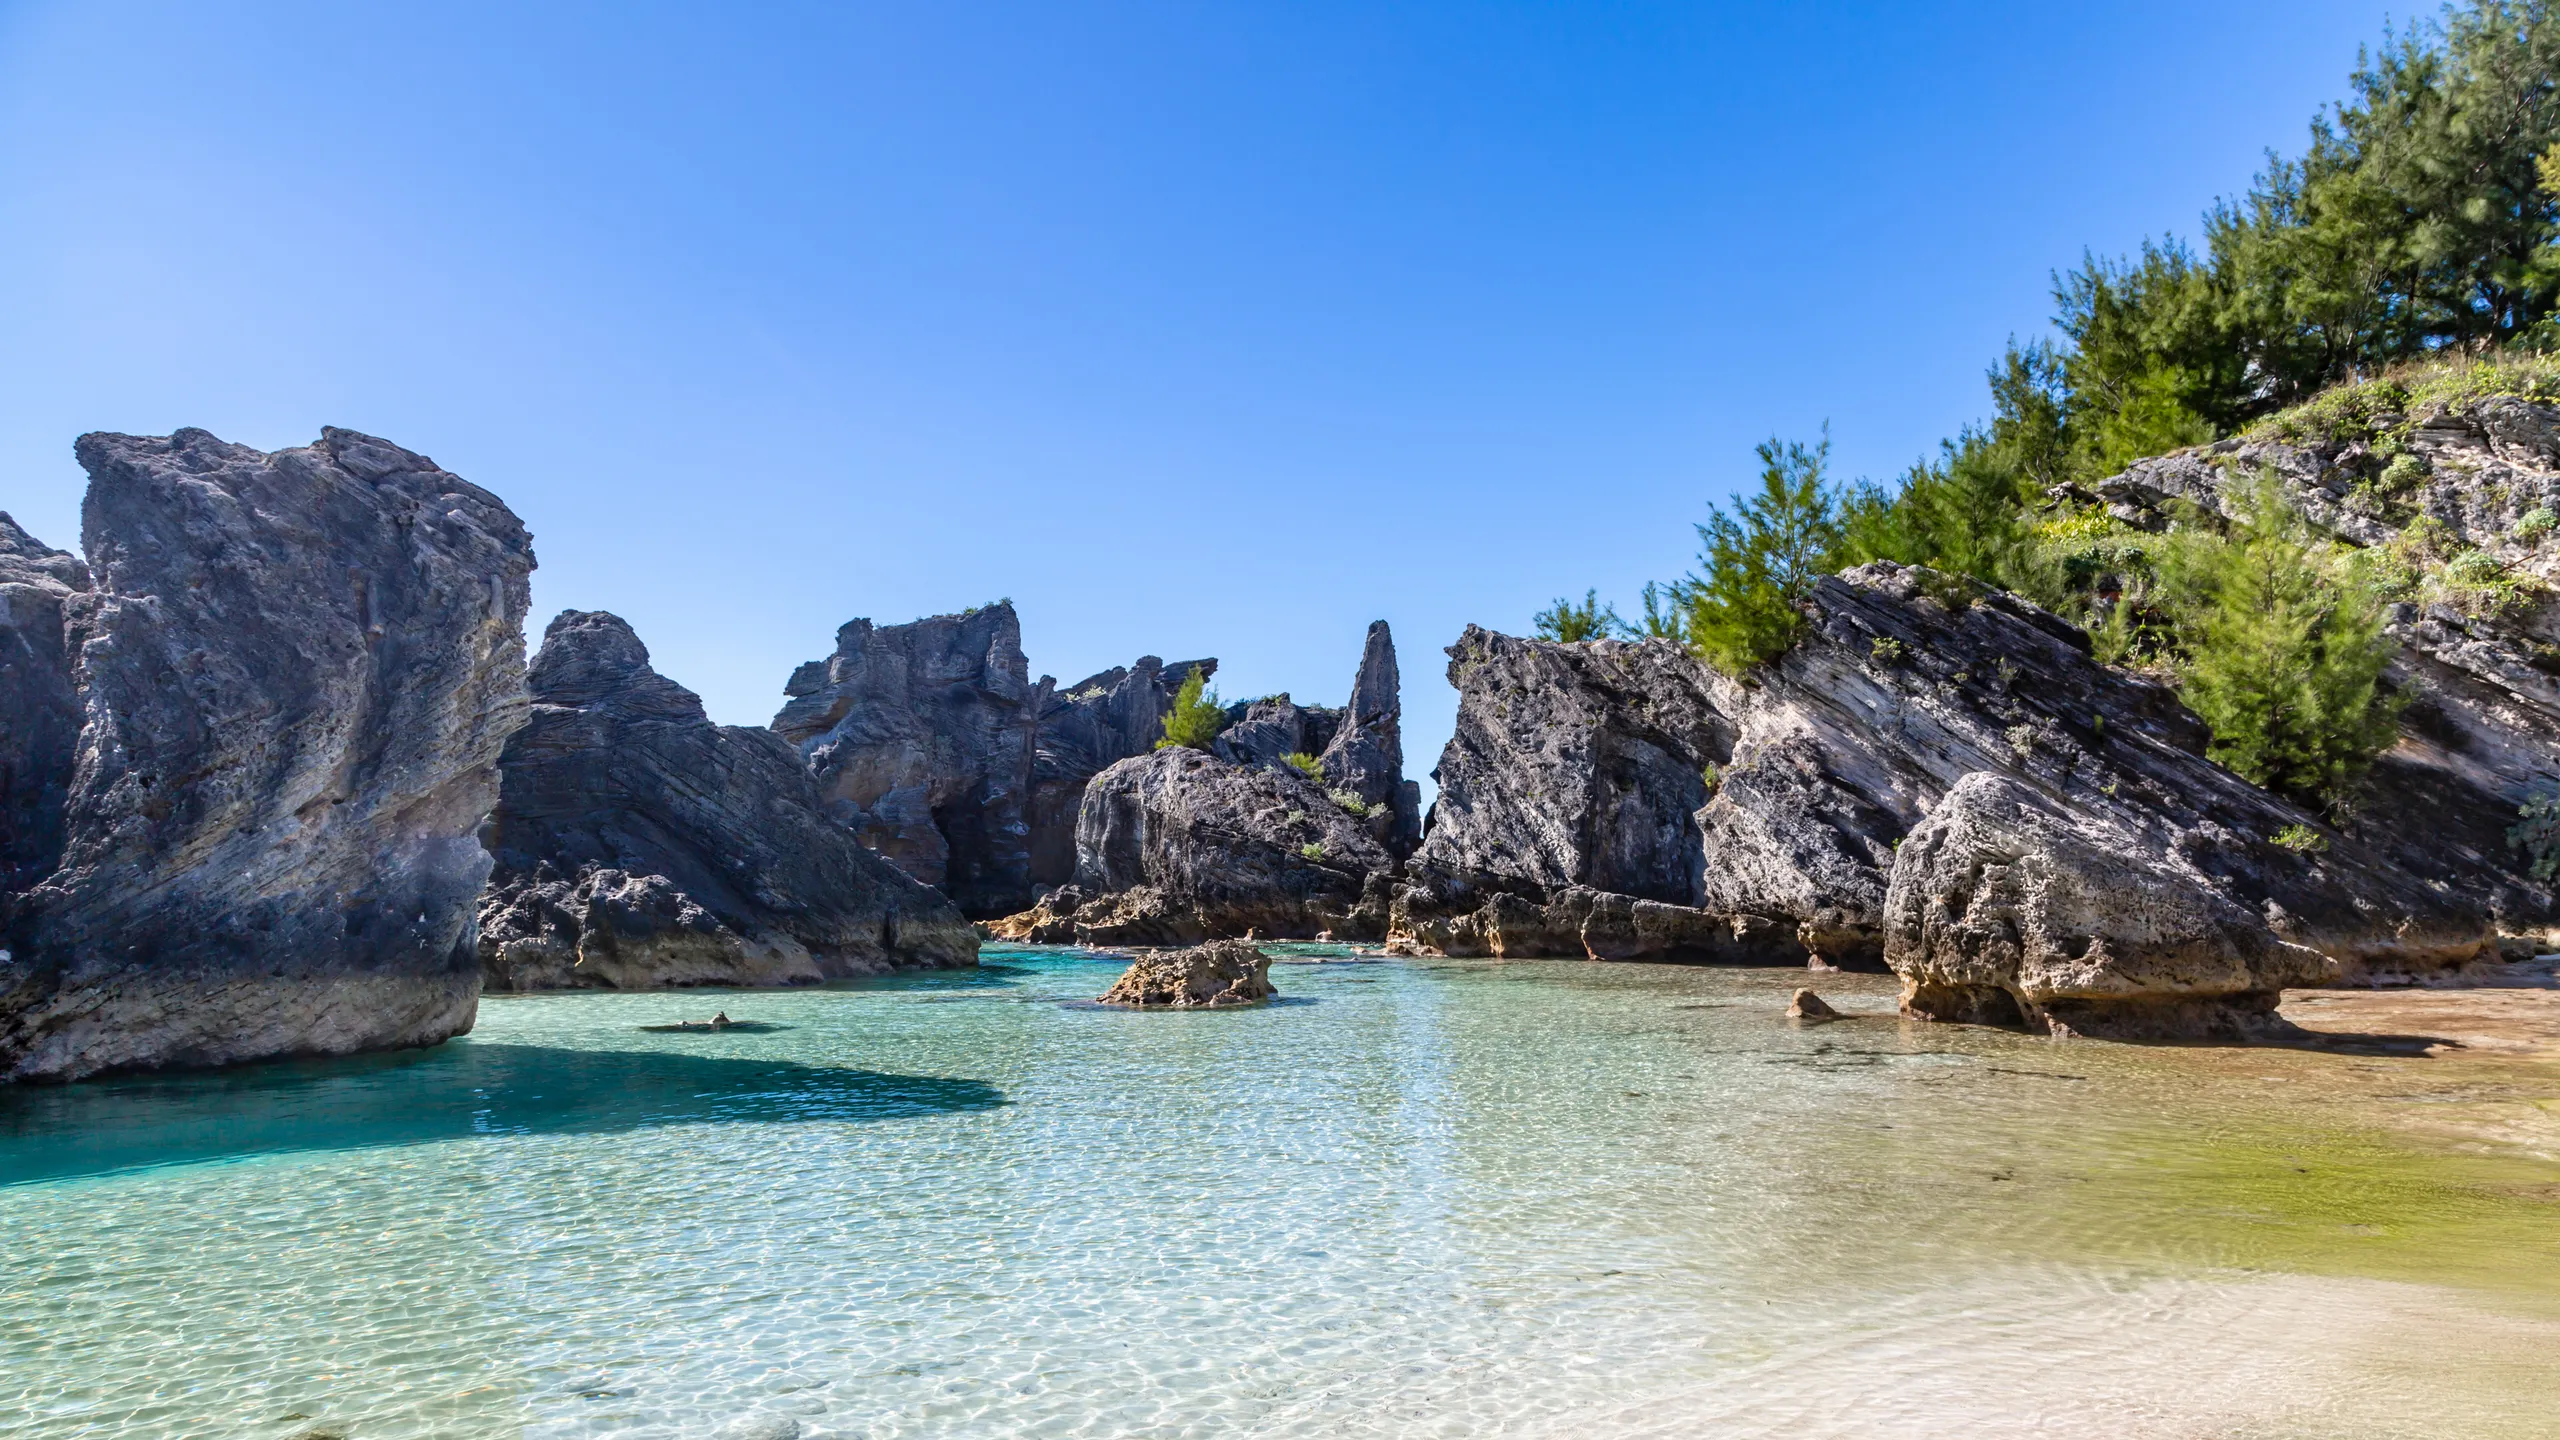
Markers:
point(1207, 328)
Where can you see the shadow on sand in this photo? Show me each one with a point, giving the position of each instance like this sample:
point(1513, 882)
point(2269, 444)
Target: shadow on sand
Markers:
point(413, 1097)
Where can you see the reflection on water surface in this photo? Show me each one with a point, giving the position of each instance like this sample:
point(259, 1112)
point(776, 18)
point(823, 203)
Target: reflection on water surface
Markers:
point(1444, 1198)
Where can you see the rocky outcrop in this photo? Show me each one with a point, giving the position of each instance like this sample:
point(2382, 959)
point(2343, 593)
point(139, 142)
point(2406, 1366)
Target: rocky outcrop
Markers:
point(1177, 846)
point(1269, 730)
point(1084, 729)
point(1572, 766)
point(1219, 975)
point(920, 737)
point(39, 708)
point(2479, 483)
point(639, 845)
point(295, 673)
point(1365, 755)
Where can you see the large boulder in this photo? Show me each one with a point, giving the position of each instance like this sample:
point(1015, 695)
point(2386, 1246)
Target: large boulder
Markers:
point(1083, 730)
point(920, 737)
point(295, 673)
point(640, 845)
point(1177, 846)
point(39, 707)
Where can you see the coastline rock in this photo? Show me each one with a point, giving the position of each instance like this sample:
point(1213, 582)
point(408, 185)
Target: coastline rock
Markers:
point(1810, 1007)
point(920, 737)
point(1366, 752)
point(639, 845)
point(39, 707)
point(1083, 730)
point(295, 674)
point(1218, 975)
point(1177, 846)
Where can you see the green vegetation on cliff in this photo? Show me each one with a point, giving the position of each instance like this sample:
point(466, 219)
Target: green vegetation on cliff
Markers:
point(1196, 717)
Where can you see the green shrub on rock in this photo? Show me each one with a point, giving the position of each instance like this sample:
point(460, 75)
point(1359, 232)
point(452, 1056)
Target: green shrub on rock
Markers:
point(1196, 717)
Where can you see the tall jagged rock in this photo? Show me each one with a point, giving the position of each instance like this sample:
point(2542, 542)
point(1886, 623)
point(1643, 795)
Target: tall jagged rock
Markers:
point(640, 845)
point(39, 708)
point(1366, 753)
point(1269, 730)
point(920, 737)
point(295, 673)
point(1831, 817)
point(1083, 730)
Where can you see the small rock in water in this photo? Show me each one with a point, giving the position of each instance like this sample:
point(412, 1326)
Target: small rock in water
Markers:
point(1809, 1006)
point(1220, 973)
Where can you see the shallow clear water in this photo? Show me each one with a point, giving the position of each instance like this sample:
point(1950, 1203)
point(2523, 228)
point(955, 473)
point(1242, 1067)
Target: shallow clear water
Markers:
point(1413, 1198)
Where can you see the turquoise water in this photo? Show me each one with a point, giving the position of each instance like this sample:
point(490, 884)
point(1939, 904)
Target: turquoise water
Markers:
point(1412, 1198)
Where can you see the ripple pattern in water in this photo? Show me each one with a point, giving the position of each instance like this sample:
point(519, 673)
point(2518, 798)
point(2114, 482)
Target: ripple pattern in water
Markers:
point(1432, 1198)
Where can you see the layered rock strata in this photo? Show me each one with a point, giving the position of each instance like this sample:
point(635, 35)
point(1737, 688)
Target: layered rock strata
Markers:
point(1222, 974)
point(921, 737)
point(294, 674)
point(1913, 698)
point(639, 845)
point(1083, 730)
point(39, 707)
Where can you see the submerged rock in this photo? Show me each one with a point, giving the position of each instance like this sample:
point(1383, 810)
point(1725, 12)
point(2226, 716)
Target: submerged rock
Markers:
point(1083, 730)
point(295, 672)
point(1808, 1006)
point(640, 845)
point(39, 708)
point(1219, 974)
point(920, 737)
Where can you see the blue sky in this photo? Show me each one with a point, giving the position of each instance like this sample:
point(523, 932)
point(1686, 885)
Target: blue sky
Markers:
point(1195, 329)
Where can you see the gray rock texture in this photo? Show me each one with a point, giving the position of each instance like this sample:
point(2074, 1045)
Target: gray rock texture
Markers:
point(1269, 730)
point(1177, 846)
point(1222, 974)
point(39, 708)
point(1589, 767)
point(639, 845)
point(295, 673)
point(1366, 752)
point(2481, 733)
point(1083, 730)
point(921, 739)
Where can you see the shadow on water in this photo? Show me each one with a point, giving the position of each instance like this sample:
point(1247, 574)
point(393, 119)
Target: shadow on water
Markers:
point(452, 1092)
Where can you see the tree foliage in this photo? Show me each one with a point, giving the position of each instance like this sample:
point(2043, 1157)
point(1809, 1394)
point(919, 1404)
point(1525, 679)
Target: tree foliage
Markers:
point(1568, 622)
point(1758, 562)
point(1196, 717)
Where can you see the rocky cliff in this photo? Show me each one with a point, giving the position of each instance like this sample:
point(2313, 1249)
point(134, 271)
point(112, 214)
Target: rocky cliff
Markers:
point(294, 675)
point(39, 708)
point(640, 845)
point(921, 737)
point(2469, 491)
point(1084, 729)
point(1178, 846)
point(1935, 776)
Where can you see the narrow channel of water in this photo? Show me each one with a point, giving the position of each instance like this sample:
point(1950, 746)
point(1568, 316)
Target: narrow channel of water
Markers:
point(1416, 1198)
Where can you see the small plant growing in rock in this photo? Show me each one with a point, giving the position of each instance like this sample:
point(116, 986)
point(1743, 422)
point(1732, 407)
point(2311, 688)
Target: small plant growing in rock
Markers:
point(1312, 850)
point(2536, 523)
point(1305, 764)
point(1885, 650)
point(2405, 473)
point(2537, 834)
point(1196, 717)
point(1349, 800)
point(1571, 623)
point(1294, 817)
point(2300, 839)
point(1713, 775)
point(2022, 738)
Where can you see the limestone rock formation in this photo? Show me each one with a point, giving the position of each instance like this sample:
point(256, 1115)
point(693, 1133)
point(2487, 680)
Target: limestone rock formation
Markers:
point(1083, 730)
point(1590, 765)
point(1366, 753)
point(1218, 975)
point(39, 708)
point(920, 737)
point(295, 673)
point(1269, 730)
point(1177, 846)
point(640, 845)
point(2481, 675)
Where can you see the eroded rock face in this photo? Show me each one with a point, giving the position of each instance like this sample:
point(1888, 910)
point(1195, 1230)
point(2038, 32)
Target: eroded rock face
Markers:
point(639, 845)
point(1083, 730)
point(1365, 754)
point(921, 737)
point(1177, 846)
point(1269, 730)
point(1218, 975)
point(39, 708)
point(295, 672)
point(2481, 731)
